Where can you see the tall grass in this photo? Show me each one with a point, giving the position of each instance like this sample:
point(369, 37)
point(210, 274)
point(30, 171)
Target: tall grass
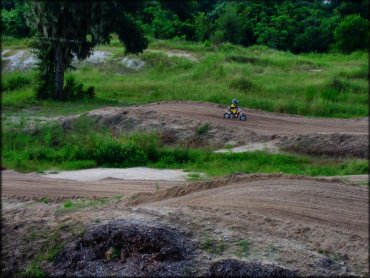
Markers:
point(325, 85)
point(51, 147)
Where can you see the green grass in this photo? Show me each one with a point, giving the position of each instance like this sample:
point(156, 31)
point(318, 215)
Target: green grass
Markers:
point(325, 85)
point(34, 270)
point(15, 43)
point(80, 147)
point(73, 205)
point(243, 247)
point(212, 246)
point(50, 242)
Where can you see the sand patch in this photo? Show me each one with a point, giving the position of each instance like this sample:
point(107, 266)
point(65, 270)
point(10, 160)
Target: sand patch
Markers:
point(136, 173)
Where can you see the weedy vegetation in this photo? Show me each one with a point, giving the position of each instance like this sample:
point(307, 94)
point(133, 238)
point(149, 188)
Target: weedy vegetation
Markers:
point(50, 146)
point(319, 85)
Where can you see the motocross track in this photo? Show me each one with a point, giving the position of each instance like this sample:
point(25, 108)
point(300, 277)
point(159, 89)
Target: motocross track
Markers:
point(327, 216)
point(315, 225)
point(260, 122)
point(179, 122)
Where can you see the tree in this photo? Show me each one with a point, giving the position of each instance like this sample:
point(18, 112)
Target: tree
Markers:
point(229, 25)
point(202, 26)
point(68, 29)
point(352, 34)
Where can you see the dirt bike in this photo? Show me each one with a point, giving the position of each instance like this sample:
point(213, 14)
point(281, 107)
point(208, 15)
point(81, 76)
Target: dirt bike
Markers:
point(239, 114)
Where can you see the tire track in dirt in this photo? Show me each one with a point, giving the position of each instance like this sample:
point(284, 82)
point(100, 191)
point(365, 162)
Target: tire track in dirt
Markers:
point(264, 123)
point(178, 122)
point(316, 216)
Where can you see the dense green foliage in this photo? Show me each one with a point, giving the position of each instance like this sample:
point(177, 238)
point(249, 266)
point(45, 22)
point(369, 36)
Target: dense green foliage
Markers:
point(298, 26)
point(81, 147)
point(13, 19)
point(352, 34)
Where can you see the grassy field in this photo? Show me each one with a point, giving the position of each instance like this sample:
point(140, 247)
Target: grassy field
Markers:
point(324, 85)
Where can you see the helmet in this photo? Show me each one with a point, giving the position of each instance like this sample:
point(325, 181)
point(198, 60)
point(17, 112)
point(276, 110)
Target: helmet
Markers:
point(235, 101)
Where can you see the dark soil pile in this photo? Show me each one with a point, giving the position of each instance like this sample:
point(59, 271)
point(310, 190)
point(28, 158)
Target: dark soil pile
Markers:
point(126, 248)
point(235, 268)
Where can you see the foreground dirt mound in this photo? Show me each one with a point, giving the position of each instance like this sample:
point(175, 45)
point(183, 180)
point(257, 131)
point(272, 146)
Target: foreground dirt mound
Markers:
point(126, 248)
point(235, 268)
point(194, 123)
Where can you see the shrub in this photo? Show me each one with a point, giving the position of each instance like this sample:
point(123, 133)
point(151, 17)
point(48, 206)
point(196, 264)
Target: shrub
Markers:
point(73, 90)
point(203, 129)
point(174, 156)
point(113, 153)
point(15, 82)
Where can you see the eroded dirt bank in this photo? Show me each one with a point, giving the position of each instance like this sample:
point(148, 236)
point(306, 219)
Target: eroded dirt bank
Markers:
point(179, 122)
point(309, 225)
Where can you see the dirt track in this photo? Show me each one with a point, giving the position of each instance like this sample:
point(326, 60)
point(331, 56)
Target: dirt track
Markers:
point(309, 221)
point(318, 226)
point(263, 122)
point(316, 216)
point(179, 122)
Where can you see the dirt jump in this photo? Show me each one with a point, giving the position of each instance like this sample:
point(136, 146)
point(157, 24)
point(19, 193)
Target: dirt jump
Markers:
point(178, 122)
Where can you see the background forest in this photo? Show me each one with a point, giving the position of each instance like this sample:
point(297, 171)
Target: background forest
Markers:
point(296, 26)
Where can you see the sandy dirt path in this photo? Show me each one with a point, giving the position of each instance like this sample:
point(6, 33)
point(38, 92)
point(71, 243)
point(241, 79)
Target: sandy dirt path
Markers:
point(34, 186)
point(331, 204)
point(314, 215)
point(263, 123)
point(318, 226)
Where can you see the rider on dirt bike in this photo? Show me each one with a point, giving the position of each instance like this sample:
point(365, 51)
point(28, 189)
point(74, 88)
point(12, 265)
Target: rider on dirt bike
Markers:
point(234, 108)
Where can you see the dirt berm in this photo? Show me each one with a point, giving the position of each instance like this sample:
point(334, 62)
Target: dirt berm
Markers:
point(182, 122)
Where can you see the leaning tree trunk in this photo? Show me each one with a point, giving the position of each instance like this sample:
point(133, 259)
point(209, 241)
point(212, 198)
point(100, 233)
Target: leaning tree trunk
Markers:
point(59, 72)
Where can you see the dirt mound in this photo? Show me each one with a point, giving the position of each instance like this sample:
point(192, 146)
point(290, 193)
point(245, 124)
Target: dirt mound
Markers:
point(172, 129)
point(126, 248)
point(336, 144)
point(196, 124)
point(235, 268)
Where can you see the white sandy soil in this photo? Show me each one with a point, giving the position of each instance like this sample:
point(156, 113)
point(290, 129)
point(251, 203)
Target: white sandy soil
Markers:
point(136, 173)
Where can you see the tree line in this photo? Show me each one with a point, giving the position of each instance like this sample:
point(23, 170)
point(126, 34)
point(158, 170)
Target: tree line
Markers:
point(290, 25)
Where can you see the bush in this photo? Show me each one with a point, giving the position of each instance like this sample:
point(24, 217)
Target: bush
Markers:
point(120, 155)
point(352, 34)
point(203, 129)
point(174, 156)
point(74, 91)
point(15, 82)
